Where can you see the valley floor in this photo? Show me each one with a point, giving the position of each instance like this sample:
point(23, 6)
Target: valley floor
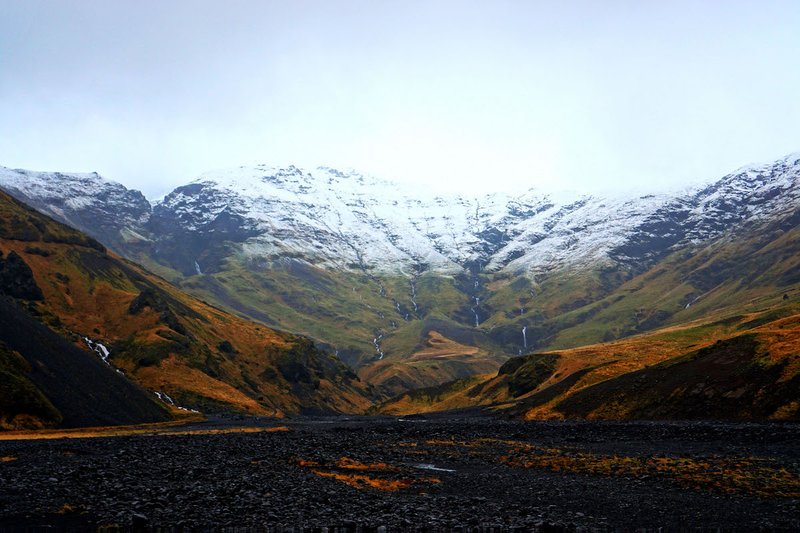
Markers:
point(435, 473)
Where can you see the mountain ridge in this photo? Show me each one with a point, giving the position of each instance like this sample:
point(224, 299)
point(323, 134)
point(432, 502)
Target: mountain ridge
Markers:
point(371, 272)
point(385, 227)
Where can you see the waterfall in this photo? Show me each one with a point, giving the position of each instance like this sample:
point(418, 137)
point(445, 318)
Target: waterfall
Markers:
point(197, 268)
point(525, 336)
point(99, 349)
point(169, 401)
point(377, 343)
point(477, 321)
point(164, 397)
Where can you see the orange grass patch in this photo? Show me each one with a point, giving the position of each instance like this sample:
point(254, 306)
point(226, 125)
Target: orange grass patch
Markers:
point(161, 428)
point(363, 476)
point(95, 432)
point(174, 373)
point(66, 509)
point(7, 459)
point(437, 346)
point(731, 475)
point(346, 463)
point(748, 475)
point(362, 481)
point(225, 431)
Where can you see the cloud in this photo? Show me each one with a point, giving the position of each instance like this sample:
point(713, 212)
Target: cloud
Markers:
point(472, 95)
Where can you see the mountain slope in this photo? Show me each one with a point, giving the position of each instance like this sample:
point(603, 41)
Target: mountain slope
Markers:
point(106, 210)
point(365, 266)
point(49, 381)
point(743, 367)
point(189, 352)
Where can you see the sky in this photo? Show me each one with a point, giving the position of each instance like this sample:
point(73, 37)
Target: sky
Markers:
point(444, 95)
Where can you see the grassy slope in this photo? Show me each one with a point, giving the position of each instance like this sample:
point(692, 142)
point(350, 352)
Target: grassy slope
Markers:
point(346, 311)
point(736, 274)
point(439, 360)
point(744, 366)
point(198, 354)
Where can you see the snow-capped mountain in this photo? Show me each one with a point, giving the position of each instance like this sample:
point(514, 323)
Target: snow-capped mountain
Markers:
point(346, 220)
point(354, 261)
point(105, 209)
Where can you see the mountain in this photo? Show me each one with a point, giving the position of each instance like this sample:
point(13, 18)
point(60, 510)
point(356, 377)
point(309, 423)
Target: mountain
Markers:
point(89, 338)
point(385, 276)
point(109, 210)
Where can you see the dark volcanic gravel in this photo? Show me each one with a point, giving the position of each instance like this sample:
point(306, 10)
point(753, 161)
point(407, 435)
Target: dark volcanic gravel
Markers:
point(282, 480)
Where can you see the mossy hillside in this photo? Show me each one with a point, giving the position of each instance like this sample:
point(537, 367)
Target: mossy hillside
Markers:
point(730, 379)
point(527, 373)
point(559, 311)
point(542, 385)
point(442, 397)
point(164, 339)
point(331, 312)
point(343, 310)
point(22, 404)
point(739, 274)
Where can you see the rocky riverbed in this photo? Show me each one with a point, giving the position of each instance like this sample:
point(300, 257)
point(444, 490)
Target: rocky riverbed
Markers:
point(385, 474)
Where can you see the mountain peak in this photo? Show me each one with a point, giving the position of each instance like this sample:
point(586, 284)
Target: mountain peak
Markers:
point(343, 219)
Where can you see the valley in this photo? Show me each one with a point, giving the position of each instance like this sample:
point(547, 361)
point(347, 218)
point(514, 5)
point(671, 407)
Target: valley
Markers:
point(280, 291)
point(339, 266)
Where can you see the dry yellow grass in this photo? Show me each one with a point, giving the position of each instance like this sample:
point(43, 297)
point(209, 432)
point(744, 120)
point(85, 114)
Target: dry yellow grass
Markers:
point(363, 476)
point(779, 340)
point(95, 432)
point(173, 374)
point(103, 298)
point(361, 481)
point(438, 346)
point(345, 463)
point(439, 361)
point(147, 430)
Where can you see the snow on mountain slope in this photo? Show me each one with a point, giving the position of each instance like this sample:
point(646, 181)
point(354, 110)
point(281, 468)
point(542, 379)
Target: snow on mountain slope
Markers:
point(105, 209)
point(331, 218)
point(345, 220)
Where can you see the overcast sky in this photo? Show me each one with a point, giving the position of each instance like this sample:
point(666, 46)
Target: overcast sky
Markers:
point(447, 94)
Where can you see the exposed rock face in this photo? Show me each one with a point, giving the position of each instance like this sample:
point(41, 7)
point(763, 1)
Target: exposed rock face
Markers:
point(16, 278)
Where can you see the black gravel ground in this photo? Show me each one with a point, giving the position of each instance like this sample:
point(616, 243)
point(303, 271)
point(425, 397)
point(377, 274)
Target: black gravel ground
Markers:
point(456, 479)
